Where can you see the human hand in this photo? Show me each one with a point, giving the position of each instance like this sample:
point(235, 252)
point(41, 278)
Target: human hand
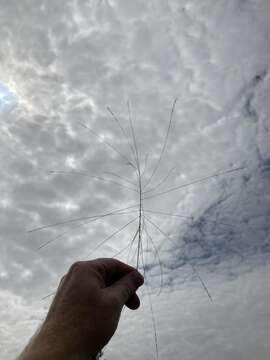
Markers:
point(86, 310)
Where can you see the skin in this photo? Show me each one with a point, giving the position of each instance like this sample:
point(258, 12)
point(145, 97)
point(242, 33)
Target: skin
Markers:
point(85, 311)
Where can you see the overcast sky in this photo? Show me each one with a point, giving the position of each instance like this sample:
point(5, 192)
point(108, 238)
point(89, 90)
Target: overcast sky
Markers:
point(65, 67)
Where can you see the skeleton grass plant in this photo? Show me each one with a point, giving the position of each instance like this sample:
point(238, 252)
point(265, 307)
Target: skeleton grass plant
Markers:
point(142, 219)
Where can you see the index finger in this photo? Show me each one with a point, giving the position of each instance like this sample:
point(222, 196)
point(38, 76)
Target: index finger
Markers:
point(111, 269)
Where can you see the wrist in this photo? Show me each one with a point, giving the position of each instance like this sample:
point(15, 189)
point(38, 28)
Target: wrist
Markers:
point(56, 343)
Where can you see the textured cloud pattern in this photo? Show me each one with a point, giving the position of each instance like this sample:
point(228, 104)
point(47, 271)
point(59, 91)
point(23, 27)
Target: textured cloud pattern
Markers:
point(62, 65)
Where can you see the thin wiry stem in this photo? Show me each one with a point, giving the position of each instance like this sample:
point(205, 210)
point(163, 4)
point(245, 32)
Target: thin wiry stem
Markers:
point(168, 214)
point(134, 256)
point(139, 186)
point(153, 322)
point(145, 164)
point(60, 172)
point(164, 144)
point(129, 245)
point(141, 244)
point(152, 315)
point(161, 182)
point(133, 137)
point(196, 272)
point(58, 237)
point(160, 230)
point(202, 283)
point(120, 177)
point(140, 220)
point(192, 183)
point(129, 162)
point(147, 241)
point(151, 305)
point(132, 242)
point(49, 295)
point(79, 226)
point(111, 236)
point(187, 217)
point(121, 251)
point(115, 118)
point(142, 259)
point(113, 212)
point(158, 257)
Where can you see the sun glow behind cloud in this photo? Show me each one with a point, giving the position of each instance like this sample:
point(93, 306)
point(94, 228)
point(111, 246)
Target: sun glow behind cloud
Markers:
point(7, 98)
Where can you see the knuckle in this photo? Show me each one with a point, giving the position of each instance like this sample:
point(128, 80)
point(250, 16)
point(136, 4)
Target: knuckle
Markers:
point(127, 292)
point(62, 279)
point(137, 278)
point(99, 261)
point(77, 266)
point(141, 279)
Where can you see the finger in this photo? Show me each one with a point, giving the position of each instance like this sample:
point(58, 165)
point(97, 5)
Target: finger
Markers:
point(62, 280)
point(126, 287)
point(134, 302)
point(111, 270)
point(61, 283)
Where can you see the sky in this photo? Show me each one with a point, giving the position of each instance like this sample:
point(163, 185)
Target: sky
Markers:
point(193, 77)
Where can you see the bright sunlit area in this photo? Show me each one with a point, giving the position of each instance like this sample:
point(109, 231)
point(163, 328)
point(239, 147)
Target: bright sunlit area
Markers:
point(7, 98)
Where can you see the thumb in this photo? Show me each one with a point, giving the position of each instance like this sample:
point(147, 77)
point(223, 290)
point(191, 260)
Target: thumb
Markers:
point(125, 288)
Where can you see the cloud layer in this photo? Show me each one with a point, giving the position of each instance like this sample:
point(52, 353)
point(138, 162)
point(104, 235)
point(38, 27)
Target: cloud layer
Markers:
point(62, 65)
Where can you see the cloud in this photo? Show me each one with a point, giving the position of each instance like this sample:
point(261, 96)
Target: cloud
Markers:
point(234, 326)
point(64, 64)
